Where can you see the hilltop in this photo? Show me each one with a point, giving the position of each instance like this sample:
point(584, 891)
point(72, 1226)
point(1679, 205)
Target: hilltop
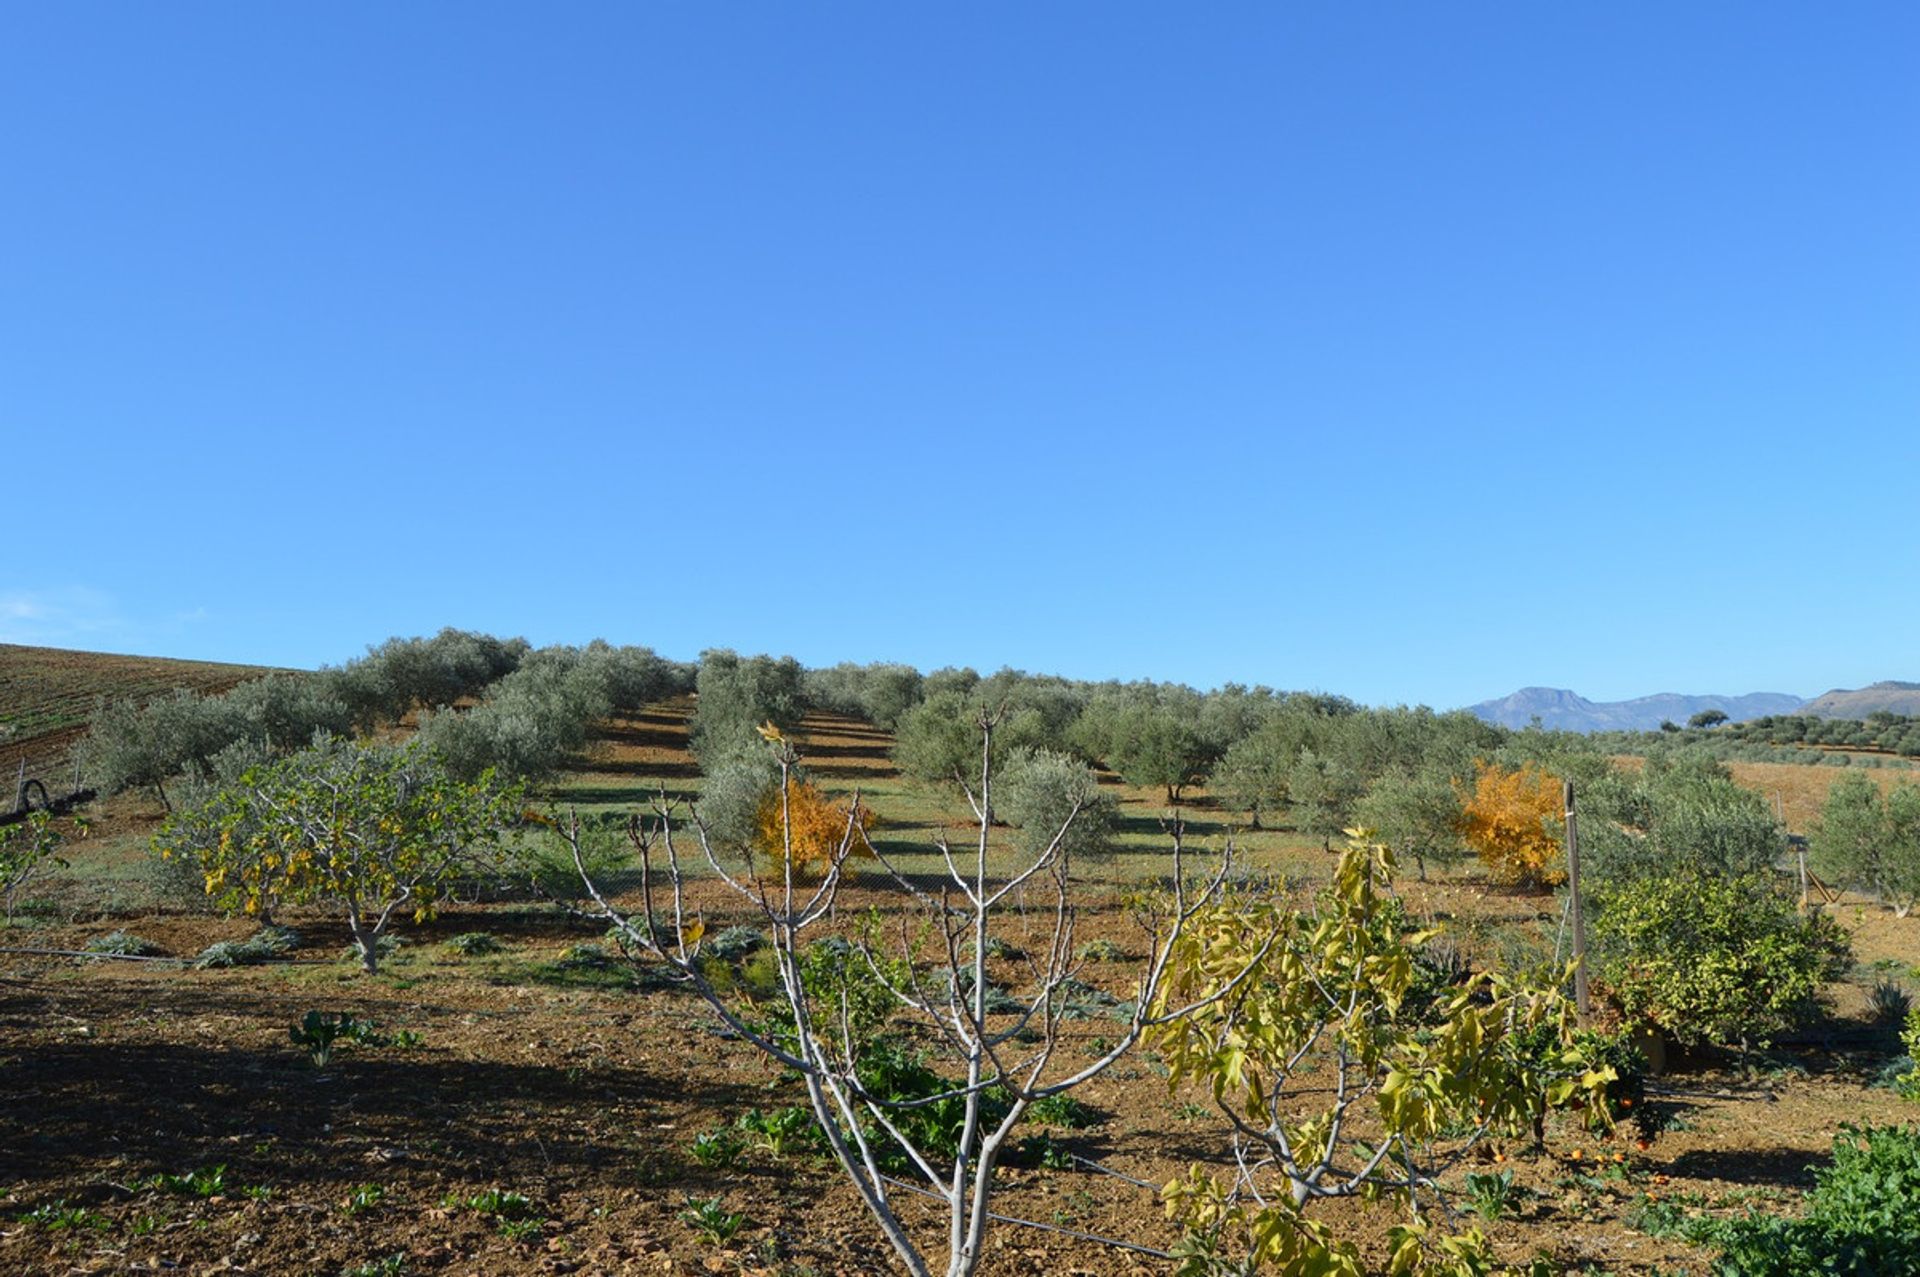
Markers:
point(1886, 696)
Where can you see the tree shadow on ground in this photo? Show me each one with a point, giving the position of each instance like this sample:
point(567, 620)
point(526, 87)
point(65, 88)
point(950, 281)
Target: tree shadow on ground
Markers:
point(1781, 1167)
point(271, 1117)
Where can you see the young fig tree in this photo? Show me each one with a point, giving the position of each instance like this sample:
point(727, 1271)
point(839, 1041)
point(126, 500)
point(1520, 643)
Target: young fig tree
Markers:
point(1332, 1087)
point(370, 830)
point(992, 1026)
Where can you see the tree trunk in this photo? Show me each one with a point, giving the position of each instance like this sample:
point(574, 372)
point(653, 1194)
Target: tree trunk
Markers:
point(369, 941)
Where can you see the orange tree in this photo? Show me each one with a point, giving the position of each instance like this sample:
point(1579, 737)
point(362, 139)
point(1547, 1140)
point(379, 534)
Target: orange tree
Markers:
point(797, 816)
point(1508, 819)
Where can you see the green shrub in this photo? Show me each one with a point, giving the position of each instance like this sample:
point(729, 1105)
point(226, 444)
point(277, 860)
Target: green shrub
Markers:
point(472, 944)
point(1715, 960)
point(1862, 1217)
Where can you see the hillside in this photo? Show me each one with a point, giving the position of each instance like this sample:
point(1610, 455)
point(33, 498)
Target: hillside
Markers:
point(1561, 710)
point(1892, 697)
point(46, 693)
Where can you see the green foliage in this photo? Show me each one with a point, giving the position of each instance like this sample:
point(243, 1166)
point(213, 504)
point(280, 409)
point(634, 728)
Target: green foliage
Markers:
point(737, 695)
point(1324, 990)
point(58, 1217)
point(207, 1181)
point(1682, 813)
point(363, 1198)
point(938, 740)
point(780, 1131)
point(1101, 950)
point(1417, 813)
point(1862, 1216)
point(1489, 1194)
point(264, 945)
point(737, 781)
point(390, 1266)
point(881, 694)
point(538, 715)
point(1061, 1110)
point(495, 1203)
point(1038, 793)
point(1872, 842)
point(474, 944)
point(369, 829)
point(1714, 959)
point(1160, 746)
point(718, 1149)
point(317, 1032)
point(711, 1221)
point(1908, 1084)
point(28, 848)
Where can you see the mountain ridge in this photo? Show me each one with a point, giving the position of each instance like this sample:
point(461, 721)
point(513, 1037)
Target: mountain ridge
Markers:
point(1562, 709)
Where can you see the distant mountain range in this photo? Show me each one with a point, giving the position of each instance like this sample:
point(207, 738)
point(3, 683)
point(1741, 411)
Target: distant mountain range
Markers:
point(1561, 710)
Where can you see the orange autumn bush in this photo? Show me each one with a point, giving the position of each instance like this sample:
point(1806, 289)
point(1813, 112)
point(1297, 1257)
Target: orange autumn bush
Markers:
point(817, 826)
point(1507, 819)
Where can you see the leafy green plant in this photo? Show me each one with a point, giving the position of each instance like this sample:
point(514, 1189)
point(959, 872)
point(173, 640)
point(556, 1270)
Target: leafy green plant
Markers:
point(518, 1230)
point(499, 1204)
point(718, 1149)
point(123, 944)
point(473, 944)
point(208, 1181)
point(317, 1032)
point(371, 830)
point(1044, 1151)
point(60, 1217)
point(1888, 1002)
point(1490, 1194)
point(1862, 1216)
point(711, 1221)
point(363, 1198)
point(1062, 1110)
point(1101, 950)
point(780, 1131)
point(391, 1266)
point(384, 947)
point(264, 945)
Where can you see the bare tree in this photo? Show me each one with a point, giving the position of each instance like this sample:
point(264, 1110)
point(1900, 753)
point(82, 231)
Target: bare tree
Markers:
point(1005, 1047)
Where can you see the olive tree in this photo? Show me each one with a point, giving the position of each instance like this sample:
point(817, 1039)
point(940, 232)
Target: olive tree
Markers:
point(1872, 842)
point(736, 695)
point(1004, 1051)
point(1042, 790)
point(1417, 813)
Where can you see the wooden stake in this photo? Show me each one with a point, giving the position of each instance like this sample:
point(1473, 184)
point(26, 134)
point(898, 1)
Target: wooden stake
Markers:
point(1580, 1000)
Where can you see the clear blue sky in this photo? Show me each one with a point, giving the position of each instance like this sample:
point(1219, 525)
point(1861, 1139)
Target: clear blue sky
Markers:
point(1412, 352)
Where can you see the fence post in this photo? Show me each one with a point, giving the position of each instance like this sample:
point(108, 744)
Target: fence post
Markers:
point(1579, 914)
